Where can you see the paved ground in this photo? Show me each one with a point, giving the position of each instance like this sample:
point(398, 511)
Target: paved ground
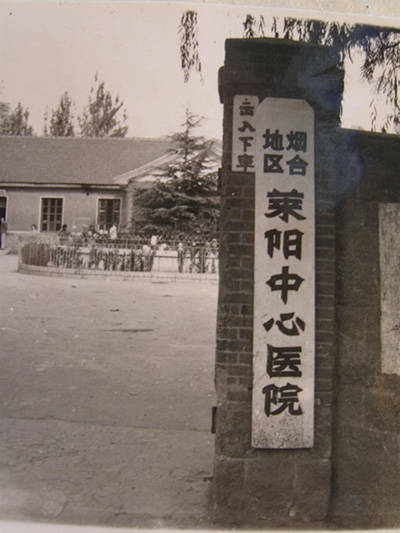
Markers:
point(106, 394)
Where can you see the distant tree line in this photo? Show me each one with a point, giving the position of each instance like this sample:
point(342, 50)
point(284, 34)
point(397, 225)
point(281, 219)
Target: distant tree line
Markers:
point(104, 116)
point(14, 122)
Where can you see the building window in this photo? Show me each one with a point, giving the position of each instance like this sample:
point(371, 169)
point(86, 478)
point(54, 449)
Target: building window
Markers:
point(51, 214)
point(109, 212)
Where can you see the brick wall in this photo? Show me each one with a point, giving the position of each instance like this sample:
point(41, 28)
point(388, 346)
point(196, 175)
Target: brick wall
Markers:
point(366, 483)
point(271, 488)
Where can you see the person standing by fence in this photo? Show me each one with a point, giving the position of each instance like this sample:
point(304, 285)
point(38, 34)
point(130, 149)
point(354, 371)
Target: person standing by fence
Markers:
point(147, 257)
point(63, 234)
point(113, 232)
point(181, 256)
point(3, 234)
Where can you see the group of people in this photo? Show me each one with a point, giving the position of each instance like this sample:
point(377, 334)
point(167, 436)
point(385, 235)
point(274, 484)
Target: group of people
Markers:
point(88, 236)
point(114, 236)
point(198, 257)
point(194, 255)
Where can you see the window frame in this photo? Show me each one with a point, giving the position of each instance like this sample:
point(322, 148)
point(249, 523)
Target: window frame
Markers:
point(62, 198)
point(108, 198)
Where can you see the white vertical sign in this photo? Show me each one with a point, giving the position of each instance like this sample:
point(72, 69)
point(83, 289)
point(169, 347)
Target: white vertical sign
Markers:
point(243, 133)
point(284, 278)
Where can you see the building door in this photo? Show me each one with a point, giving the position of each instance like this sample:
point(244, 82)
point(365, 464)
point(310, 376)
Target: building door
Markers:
point(3, 207)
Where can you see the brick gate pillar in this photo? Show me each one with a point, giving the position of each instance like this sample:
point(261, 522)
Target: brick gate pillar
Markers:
point(273, 487)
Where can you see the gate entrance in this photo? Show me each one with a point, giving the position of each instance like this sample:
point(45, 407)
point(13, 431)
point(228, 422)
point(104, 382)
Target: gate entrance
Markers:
point(296, 444)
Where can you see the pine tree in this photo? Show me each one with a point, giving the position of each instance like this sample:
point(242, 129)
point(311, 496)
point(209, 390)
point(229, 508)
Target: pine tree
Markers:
point(101, 117)
point(184, 199)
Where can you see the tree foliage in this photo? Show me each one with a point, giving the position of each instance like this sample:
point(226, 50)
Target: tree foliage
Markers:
point(189, 48)
point(14, 122)
point(61, 119)
point(184, 198)
point(102, 117)
point(4, 111)
point(252, 28)
point(379, 46)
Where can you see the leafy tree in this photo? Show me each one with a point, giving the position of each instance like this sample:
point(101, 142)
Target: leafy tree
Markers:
point(4, 112)
point(184, 199)
point(61, 120)
point(14, 122)
point(189, 49)
point(380, 47)
point(101, 117)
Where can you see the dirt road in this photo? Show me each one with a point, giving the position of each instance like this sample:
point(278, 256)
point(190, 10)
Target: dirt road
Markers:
point(106, 394)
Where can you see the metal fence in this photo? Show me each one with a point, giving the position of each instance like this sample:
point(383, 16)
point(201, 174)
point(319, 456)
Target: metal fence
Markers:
point(112, 256)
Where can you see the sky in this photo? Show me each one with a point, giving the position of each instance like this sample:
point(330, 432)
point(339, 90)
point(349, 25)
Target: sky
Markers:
point(51, 47)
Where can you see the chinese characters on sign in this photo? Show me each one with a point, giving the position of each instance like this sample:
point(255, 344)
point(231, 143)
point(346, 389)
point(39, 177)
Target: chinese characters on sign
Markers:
point(244, 139)
point(278, 144)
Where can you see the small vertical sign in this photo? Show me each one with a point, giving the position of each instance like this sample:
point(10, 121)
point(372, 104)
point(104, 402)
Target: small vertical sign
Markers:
point(284, 275)
point(243, 135)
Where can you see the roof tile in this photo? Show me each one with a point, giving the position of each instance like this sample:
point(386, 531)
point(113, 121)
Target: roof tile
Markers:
point(75, 159)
